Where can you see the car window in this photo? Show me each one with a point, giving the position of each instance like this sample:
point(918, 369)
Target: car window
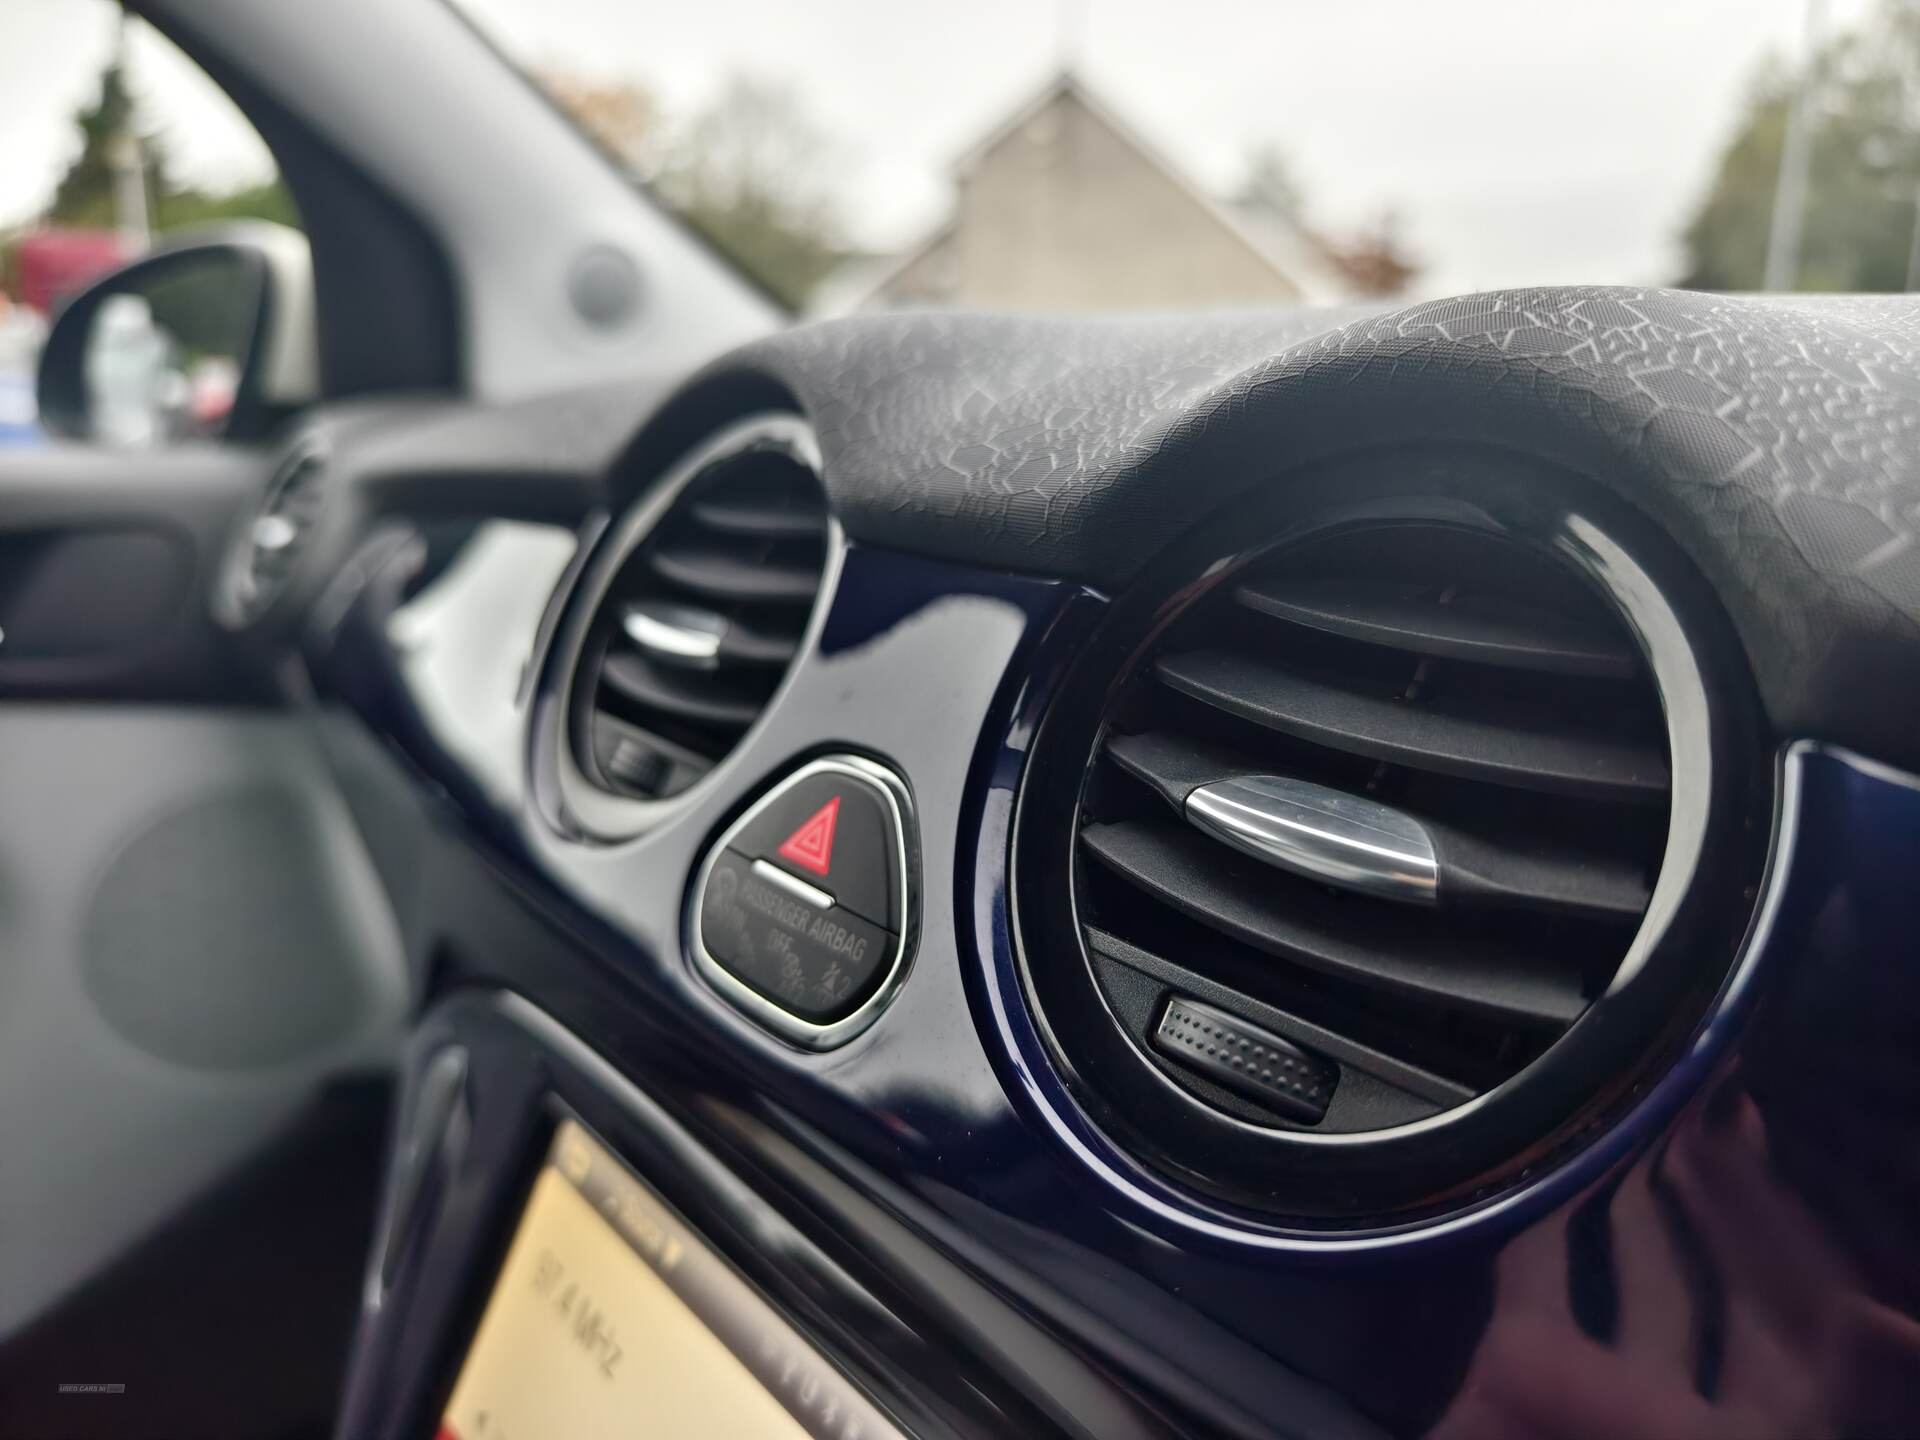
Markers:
point(116, 142)
point(1124, 154)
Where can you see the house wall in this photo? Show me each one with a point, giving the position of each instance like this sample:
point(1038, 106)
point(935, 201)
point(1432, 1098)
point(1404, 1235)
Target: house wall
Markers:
point(1062, 213)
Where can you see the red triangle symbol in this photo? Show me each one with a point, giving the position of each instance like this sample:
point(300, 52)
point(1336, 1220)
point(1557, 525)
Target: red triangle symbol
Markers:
point(811, 846)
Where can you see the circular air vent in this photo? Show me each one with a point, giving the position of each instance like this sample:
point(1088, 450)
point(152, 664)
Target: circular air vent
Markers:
point(265, 554)
point(1376, 867)
point(686, 621)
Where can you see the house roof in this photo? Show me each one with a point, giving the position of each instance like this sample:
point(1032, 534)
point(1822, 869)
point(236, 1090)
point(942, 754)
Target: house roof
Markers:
point(1292, 254)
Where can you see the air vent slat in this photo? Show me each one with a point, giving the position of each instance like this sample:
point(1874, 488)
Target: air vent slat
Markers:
point(1482, 872)
point(761, 519)
point(1472, 870)
point(650, 686)
point(723, 575)
point(1425, 621)
point(744, 646)
point(1417, 735)
point(1384, 946)
point(1173, 765)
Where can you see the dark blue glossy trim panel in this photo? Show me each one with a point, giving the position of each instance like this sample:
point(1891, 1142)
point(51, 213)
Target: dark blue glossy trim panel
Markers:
point(1743, 1257)
point(1737, 1257)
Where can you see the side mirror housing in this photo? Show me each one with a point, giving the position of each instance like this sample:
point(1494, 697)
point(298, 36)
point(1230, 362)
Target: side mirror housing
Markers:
point(209, 336)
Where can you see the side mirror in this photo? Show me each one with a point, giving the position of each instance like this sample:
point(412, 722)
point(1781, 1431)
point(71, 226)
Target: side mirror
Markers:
point(209, 336)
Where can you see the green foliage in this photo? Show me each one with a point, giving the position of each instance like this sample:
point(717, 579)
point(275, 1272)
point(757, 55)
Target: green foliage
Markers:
point(1864, 178)
point(269, 200)
point(787, 259)
point(749, 173)
point(84, 197)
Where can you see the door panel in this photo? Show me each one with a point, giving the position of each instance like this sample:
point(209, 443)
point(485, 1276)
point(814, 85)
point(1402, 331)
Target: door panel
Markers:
point(193, 943)
point(106, 562)
point(197, 961)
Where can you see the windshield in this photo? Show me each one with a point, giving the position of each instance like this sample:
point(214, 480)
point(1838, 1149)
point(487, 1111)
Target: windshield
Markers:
point(1116, 154)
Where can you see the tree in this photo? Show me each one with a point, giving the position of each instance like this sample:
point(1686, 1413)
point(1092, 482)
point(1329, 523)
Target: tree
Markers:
point(1863, 191)
point(1268, 187)
point(748, 172)
point(1370, 262)
point(84, 196)
point(622, 117)
point(183, 209)
point(1374, 261)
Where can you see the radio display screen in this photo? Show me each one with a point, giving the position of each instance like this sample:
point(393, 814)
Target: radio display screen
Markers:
point(610, 1318)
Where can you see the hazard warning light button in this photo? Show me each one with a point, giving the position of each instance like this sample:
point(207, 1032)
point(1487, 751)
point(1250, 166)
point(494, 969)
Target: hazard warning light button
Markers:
point(834, 829)
point(803, 914)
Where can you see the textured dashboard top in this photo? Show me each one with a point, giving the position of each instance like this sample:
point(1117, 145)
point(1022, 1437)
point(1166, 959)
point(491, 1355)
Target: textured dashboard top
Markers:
point(1777, 439)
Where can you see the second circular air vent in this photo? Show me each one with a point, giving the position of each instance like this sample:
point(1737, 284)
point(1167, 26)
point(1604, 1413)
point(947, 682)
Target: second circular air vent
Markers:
point(264, 556)
point(1378, 863)
point(694, 608)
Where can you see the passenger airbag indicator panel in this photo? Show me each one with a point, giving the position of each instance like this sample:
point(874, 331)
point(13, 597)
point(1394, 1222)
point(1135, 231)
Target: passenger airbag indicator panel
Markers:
point(803, 912)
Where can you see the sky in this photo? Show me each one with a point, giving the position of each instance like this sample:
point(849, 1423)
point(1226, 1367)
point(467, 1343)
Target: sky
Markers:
point(1517, 141)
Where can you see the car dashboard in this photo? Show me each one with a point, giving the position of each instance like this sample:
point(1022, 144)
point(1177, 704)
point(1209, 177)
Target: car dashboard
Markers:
point(1294, 873)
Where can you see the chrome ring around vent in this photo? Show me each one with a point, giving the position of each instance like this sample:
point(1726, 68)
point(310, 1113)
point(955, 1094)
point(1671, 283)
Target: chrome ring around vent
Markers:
point(1150, 1135)
point(566, 796)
